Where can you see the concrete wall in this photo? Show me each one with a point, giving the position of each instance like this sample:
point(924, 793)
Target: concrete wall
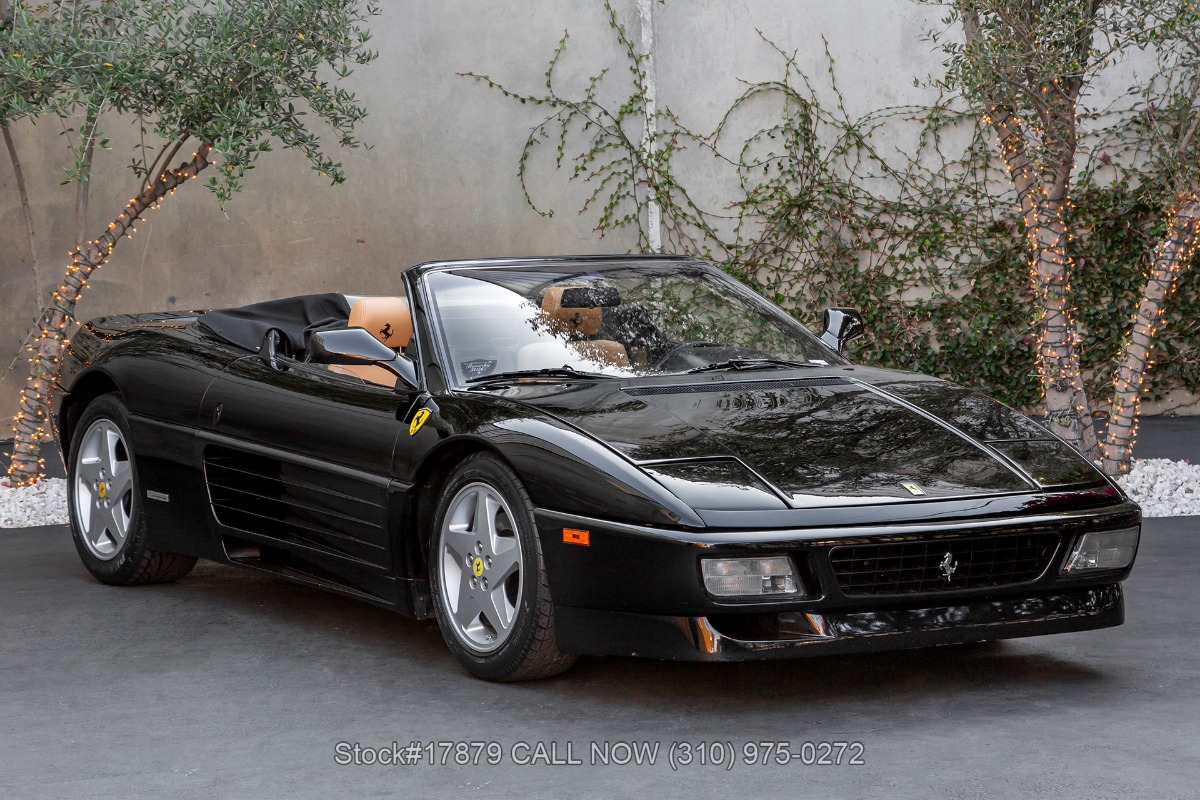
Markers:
point(441, 181)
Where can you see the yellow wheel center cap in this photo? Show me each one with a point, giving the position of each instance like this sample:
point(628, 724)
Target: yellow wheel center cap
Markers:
point(103, 490)
point(477, 567)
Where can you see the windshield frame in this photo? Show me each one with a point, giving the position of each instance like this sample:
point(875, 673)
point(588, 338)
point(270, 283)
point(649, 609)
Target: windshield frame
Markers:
point(563, 267)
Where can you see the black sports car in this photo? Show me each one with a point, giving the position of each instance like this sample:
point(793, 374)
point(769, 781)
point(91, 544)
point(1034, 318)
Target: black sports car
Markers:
point(630, 455)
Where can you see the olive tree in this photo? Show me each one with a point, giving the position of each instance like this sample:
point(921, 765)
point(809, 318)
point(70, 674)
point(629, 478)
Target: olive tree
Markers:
point(1027, 67)
point(211, 84)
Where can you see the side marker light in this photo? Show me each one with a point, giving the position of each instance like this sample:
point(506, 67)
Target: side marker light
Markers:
point(577, 536)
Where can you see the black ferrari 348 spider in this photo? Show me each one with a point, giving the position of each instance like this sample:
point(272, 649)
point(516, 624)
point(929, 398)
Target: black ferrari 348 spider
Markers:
point(631, 455)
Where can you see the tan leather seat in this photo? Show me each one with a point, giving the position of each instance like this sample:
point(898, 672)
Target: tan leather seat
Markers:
point(576, 324)
point(603, 351)
point(389, 319)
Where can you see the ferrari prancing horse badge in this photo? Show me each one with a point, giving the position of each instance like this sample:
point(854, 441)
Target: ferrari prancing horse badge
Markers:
point(417, 421)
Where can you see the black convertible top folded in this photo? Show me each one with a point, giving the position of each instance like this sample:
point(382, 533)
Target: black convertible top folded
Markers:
point(294, 317)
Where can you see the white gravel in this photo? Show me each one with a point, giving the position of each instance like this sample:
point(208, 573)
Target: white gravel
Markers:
point(44, 503)
point(1164, 488)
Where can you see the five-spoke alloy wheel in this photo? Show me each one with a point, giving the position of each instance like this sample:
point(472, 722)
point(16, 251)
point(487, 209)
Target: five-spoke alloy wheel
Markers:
point(480, 565)
point(487, 575)
point(103, 489)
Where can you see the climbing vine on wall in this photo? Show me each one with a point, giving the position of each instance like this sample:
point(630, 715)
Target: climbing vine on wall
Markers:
point(925, 239)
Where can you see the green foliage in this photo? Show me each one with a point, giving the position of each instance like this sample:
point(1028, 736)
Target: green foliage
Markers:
point(1034, 59)
point(928, 243)
point(236, 76)
point(621, 172)
point(1117, 225)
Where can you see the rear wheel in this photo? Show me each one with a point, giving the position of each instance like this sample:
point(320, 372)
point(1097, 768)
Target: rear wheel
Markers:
point(488, 579)
point(105, 505)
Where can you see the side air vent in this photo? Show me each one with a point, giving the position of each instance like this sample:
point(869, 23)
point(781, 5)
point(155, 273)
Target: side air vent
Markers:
point(737, 386)
point(296, 505)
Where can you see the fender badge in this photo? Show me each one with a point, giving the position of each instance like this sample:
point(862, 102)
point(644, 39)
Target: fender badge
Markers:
point(159, 496)
point(417, 421)
point(913, 488)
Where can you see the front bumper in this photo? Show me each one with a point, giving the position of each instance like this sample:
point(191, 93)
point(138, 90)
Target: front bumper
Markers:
point(794, 634)
point(635, 590)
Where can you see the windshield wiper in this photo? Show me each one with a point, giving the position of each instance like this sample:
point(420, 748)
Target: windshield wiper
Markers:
point(550, 372)
point(741, 364)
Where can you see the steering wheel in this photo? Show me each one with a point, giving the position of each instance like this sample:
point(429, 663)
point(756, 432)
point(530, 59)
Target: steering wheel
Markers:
point(682, 346)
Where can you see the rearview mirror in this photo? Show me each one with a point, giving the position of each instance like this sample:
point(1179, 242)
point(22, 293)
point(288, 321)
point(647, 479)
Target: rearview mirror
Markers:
point(590, 297)
point(842, 326)
point(356, 346)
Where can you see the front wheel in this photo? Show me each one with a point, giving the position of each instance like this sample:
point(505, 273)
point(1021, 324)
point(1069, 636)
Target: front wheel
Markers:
point(105, 506)
point(488, 579)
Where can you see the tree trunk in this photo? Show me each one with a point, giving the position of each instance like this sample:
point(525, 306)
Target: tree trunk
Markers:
point(1042, 200)
point(23, 194)
point(33, 416)
point(1067, 411)
point(1174, 253)
point(83, 186)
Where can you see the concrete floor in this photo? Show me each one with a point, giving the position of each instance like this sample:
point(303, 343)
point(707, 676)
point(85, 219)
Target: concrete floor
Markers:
point(228, 684)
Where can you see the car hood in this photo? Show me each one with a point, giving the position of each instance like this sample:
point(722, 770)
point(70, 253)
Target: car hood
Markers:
point(844, 436)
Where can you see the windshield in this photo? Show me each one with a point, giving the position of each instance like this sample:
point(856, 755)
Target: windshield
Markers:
point(620, 322)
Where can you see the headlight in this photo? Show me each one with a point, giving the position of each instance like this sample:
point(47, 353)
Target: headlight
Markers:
point(750, 577)
point(1107, 550)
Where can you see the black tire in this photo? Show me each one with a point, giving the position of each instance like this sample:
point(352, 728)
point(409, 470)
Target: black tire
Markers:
point(530, 651)
point(133, 562)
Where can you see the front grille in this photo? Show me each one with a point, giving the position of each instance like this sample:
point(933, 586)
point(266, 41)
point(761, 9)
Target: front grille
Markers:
point(912, 567)
point(734, 386)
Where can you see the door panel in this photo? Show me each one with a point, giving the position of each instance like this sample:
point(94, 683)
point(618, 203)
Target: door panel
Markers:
point(301, 458)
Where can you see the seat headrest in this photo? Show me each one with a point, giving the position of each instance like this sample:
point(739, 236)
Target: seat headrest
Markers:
point(569, 321)
point(389, 319)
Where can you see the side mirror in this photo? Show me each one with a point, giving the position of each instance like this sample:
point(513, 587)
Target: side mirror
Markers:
point(356, 346)
point(842, 326)
point(273, 346)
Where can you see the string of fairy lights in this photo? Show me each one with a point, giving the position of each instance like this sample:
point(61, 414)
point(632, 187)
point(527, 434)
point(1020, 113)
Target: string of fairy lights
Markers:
point(1046, 205)
point(1058, 362)
point(1047, 237)
point(1171, 256)
point(29, 425)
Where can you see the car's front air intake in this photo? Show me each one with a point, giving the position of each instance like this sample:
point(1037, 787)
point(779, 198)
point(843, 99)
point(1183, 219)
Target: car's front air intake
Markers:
point(942, 564)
